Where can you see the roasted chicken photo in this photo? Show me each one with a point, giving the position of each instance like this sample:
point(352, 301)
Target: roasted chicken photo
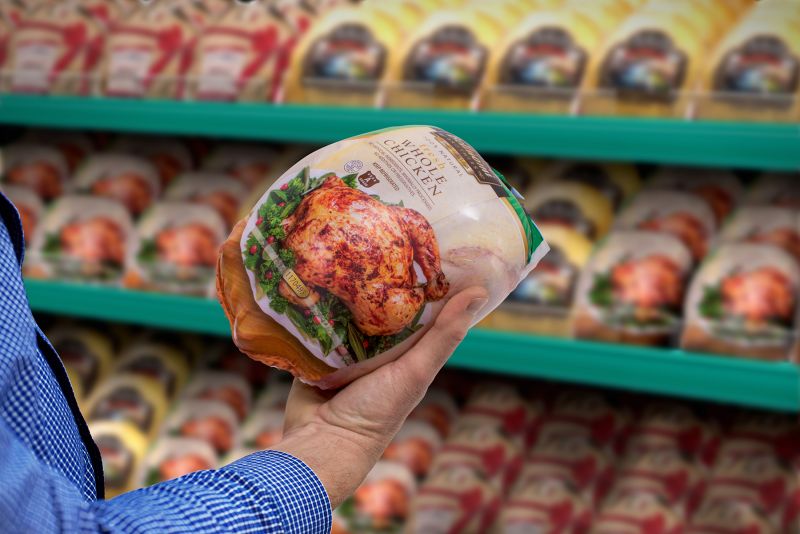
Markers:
point(39, 176)
point(187, 246)
point(96, 240)
point(685, 227)
point(363, 252)
point(759, 296)
point(647, 284)
point(130, 189)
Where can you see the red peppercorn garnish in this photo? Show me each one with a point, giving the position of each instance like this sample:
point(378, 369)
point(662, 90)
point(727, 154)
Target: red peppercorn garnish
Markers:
point(259, 221)
point(331, 322)
point(365, 344)
point(284, 187)
point(316, 320)
point(271, 239)
point(268, 275)
point(281, 204)
point(253, 249)
point(307, 313)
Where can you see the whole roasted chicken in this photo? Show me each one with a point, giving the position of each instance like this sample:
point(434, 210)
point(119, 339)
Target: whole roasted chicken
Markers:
point(363, 251)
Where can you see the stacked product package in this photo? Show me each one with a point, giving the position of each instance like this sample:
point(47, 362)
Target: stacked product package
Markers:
point(664, 58)
point(477, 455)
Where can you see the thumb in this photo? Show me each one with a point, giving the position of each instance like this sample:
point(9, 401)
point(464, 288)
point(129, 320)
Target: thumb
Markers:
point(431, 352)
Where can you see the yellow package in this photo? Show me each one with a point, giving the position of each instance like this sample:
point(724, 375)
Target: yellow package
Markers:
point(122, 447)
point(87, 354)
point(145, 55)
point(53, 49)
point(708, 18)
point(574, 205)
point(158, 361)
point(344, 58)
point(754, 72)
point(239, 56)
point(443, 63)
point(138, 400)
point(616, 181)
point(648, 67)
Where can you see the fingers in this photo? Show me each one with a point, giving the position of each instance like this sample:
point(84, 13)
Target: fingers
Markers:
point(430, 353)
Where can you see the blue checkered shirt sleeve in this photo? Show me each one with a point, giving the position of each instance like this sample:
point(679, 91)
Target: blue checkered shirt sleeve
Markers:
point(50, 470)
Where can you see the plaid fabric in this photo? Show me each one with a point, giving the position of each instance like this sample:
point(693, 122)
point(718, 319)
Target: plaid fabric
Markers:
point(50, 470)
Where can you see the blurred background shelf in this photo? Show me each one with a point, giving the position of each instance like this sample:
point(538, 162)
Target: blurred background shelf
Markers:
point(663, 371)
point(763, 146)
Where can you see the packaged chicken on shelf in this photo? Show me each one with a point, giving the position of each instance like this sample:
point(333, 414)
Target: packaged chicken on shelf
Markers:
point(632, 290)
point(344, 58)
point(86, 352)
point(501, 406)
point(321, 278)
point(206, 12)
point(636, 512)
point(648, 66)
point(415, 447)
point(157, 361)
point(40, 168)
point(753, 73)
point(177, 248)
point(765, 224)
point(74, 146)
point(218, 191)
point(53, 49)
point(729, 516)
point(209, 420)
point(145, 54)
point(743, 302)
point(438, 408)
point(191, 348)
point(174, 457)
point(229, 388)
point(238, 57)
point(170, 156)
point(618, 182)
point(81, 237)
point(546, 505)
point(30, 208)
point(122, 448)
point(575, 205)
point(442, 62)
point(137, 399)
point(721, 189)
point(775, 189)
point(130, 180)
point(682, 215)
point(587, 413)
point(452, 501)
point(249, 164)
point(779, 431)
point(381, 503)
point(263, 429)
point(230, 360)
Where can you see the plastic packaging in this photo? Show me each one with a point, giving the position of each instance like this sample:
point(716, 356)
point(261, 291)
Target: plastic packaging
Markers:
point(169, 156)
point(122, 447)
point(547, 505)
point(218, 191)
point(29, 206)
point(157, 361)
point(721, 189)
point(381, 503)
point(137, 399)
point(86, 352)
point(41, 168)
point(414, 446)
point(209, 420)
point(131, 180)
point(174, 457)
point(350, 255)
point(229, 388)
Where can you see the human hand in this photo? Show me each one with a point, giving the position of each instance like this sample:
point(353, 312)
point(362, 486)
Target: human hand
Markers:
point(341, 434)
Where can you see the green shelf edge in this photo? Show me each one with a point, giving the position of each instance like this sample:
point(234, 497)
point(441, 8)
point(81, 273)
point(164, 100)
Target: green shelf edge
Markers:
point(774, 386)
point(748, 145)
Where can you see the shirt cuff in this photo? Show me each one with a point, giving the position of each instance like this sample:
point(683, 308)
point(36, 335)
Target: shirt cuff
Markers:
point(298, 495)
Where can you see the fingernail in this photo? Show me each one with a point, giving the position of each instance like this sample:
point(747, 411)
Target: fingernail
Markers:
point(476, 305)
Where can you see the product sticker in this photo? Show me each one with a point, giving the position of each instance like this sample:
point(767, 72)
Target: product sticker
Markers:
point(34, 66)
point(450, 59)
point(548, 58)
point(348, 55)
point(762, 65)
point(129, 70)
point(220, 72)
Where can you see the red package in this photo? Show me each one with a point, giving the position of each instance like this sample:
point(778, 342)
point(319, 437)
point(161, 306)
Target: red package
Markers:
point(720, 516)
point(779, 430)
point(437, 408)
point(414, 446)
point(662, 423)
point(544, 506)
point(501, 403)
point(590, 411)
point(636, 513)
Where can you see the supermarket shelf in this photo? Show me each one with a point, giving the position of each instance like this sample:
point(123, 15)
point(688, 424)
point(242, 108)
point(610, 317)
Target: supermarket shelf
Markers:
point(709, 143)
point(672, 372)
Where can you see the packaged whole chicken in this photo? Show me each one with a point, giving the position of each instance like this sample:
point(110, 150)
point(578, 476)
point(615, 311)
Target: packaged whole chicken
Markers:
point(145, 54)
point(415, 447)
point(263, 429)
point(682, 215)
point(190, 348)
point(130, 180)
point(53, 49)
point(377, 209)
point(171, 157)
point(344, 58)
point(86, 352)
point(74, 146)
point(230, 360)
point(29, 206)
point(157, 361)
point(616, 181)
point(177, 248)
point(41, 168)
point(136, 399)
point(250, 164)
point(82, 237)
point(438, 408)
point(209, 420)
point(777, 430)
point(239, 57)
point(754, 72)
point(443, 61)
point(588, 413)
point(634, 512)
point(765, 224)
point(721, 189)
point(221, 192)
point(546, 505)
point(381, 503)
point(452, 501)
point(174, 457)
point(122, 448)
point(743, 302)
point(729, 516)
point(575, 205)
point(229, 388)
point(632, 290)
point(775, 189)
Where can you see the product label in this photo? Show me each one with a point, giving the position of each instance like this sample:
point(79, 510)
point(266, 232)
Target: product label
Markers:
point(548, 58)
point(646, 66)
point(351, 248)
point(35, 60)
point(76, 355)
point(126, 404)
point(117, 461)
point(348, 55)
point(450, 59)
point(761, 66)
point(551, 284)
point(220, 72)
point(596, 177)
point(129, 70)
